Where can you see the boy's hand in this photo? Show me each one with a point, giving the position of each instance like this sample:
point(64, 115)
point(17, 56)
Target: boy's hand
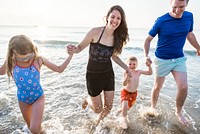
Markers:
point(148, 61)
point(128, 72)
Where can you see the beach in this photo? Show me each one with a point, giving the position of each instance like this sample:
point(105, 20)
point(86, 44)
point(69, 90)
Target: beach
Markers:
point(65, 92)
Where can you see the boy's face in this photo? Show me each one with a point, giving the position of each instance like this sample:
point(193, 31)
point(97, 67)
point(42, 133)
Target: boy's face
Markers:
point(132, 64)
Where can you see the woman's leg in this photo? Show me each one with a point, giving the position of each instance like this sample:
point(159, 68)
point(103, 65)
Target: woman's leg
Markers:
point(108, 103)
point(95, 103)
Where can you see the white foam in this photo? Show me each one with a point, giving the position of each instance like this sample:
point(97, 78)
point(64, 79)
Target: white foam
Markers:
point(4, 101)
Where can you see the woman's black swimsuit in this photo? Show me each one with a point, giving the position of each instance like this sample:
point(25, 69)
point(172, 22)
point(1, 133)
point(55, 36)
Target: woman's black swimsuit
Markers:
point(100, 75)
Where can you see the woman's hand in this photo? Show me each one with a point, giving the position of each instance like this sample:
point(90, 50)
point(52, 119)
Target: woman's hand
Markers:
point(70, 49)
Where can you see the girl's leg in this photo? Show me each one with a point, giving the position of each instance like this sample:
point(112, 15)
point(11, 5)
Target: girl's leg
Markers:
point(37, 114)
point(26, 112)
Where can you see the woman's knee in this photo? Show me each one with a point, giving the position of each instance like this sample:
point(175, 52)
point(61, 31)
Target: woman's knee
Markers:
point(108, 107)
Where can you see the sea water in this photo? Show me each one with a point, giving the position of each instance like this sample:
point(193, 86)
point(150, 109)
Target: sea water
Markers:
point(65, 92)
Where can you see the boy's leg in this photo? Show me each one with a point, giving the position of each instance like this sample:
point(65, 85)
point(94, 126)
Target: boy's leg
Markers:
point(125, 108)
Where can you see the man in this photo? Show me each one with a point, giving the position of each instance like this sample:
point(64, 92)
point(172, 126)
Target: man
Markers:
point(172, 28)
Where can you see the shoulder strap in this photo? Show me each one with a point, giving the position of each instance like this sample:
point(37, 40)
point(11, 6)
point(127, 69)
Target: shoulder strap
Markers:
point(101, 35)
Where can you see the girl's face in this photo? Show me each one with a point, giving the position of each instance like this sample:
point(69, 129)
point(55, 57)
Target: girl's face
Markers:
point(132, 64)
point(177, 8)
point(114, 19)
point(23, 58)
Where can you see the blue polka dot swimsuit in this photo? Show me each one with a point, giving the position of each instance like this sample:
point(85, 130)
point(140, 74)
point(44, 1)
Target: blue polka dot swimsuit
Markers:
point(27, 80)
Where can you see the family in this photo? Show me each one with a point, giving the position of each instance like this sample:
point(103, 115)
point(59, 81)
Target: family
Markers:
point(105, 43)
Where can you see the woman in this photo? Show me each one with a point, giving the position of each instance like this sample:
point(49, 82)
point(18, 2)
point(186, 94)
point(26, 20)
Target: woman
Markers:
point(105, 42)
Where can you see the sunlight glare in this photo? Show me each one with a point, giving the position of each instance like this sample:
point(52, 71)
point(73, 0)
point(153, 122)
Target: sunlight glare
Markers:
point(42, 32)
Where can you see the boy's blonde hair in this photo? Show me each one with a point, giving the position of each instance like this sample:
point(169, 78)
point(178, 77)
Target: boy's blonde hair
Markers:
point(132, 58)
point(20, 44)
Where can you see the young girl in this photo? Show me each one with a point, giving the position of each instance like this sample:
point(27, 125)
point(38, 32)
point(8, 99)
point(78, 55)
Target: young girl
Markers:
point(23, 64)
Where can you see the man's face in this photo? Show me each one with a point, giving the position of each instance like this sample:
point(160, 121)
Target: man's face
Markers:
point(177, 8)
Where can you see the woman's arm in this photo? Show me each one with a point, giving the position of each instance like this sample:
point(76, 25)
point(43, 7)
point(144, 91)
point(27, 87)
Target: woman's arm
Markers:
point(84, 43)
point(125, 79)
point(117, 60)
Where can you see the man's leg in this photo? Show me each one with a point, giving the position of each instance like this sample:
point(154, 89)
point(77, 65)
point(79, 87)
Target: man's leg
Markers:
point(158, 82)
point(182, 85)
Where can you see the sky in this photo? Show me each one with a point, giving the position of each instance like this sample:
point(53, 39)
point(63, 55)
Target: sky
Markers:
point(86, 13)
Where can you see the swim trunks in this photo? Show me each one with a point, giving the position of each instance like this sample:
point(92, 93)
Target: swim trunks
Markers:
point(163, 67)
point(128, 96)
point(27, 80)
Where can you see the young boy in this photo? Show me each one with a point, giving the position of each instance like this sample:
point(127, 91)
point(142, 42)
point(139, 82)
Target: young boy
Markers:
point(130, 85)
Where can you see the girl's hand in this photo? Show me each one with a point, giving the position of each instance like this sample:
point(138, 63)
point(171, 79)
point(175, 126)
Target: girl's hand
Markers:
point(70, 49)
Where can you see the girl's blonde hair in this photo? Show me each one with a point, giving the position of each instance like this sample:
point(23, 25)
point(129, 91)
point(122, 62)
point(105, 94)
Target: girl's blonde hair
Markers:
point(20, 44)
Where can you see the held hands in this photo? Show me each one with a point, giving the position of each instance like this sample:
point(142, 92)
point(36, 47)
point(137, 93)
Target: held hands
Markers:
point(198, 52)
point(128, 72)
point(70, 49)
point(148, 61)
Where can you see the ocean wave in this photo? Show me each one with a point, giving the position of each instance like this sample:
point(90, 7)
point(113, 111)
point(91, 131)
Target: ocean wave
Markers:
point(190, 52)
point(186, 52)
point(58, 42)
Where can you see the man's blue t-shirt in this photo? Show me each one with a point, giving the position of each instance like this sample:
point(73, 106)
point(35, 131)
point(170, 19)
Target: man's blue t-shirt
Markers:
point(172, 33)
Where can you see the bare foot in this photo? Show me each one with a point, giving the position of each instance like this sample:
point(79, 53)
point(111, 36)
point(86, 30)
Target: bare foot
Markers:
point(124, 123)
point(182, 119)
point(84, 104)
point(151, 113)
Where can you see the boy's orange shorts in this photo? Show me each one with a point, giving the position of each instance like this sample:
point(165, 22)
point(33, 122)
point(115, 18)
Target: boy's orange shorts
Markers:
point(128, 96)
